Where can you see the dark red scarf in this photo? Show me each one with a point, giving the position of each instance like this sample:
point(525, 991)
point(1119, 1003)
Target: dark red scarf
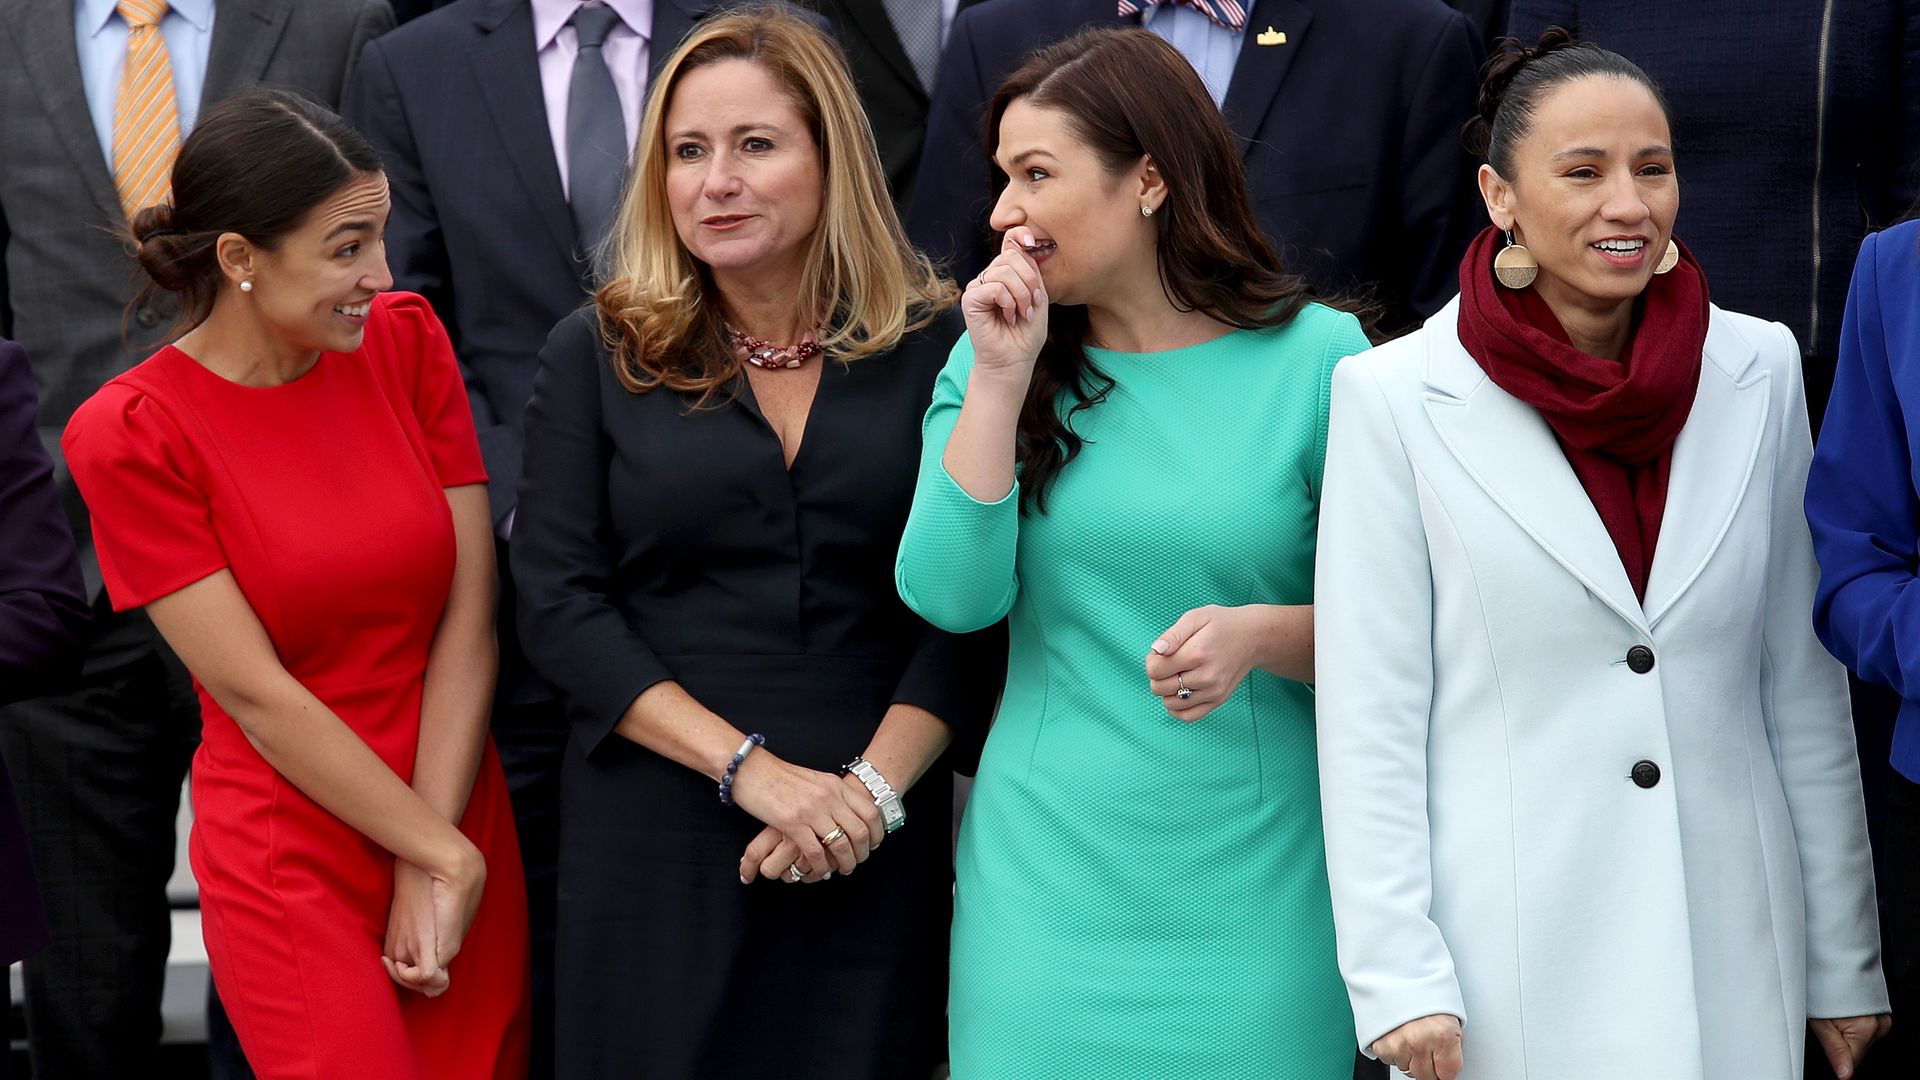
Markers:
point(1615, 420)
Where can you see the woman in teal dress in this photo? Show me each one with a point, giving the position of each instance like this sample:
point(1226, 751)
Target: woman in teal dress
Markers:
point(1123, 458)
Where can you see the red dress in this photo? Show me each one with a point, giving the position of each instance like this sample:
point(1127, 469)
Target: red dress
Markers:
point(324, 497)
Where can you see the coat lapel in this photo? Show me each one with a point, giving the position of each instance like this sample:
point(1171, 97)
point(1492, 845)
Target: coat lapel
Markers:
point(508, 74)
point(870, 16)
point(1713, 462)
point(1261, 68)
point(244, 37)
point(1509, 451)
point(44, 31)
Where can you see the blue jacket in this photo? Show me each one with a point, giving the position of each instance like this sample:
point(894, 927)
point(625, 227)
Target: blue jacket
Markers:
point(1863, 494)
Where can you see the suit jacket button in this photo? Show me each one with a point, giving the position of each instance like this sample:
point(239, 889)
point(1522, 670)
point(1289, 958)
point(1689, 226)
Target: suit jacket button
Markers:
point(1640, 659)
point(1646, 773)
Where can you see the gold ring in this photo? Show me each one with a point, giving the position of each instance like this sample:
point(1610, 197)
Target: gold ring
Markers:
point(837, 834)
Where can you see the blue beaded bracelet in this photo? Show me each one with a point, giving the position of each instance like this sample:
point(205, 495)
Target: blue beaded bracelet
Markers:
point(733, 766)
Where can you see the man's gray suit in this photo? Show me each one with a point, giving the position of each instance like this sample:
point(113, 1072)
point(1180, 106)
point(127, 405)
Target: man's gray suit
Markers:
point(99, 770)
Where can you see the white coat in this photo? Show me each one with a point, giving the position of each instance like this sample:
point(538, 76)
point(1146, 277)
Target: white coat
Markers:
point(1494, 852)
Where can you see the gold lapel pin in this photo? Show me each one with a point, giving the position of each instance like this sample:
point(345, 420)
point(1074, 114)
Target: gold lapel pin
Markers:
point(1272, 37)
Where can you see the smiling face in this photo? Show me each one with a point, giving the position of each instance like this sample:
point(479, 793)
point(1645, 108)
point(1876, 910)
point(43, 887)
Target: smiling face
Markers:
point(743, 172)
point(1593, 195)
point(1086, 221)
point(314, 288)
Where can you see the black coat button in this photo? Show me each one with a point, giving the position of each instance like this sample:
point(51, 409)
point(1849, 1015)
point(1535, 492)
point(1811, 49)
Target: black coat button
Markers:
point(1646, 773)
point(1640, 659)
point(147, 317)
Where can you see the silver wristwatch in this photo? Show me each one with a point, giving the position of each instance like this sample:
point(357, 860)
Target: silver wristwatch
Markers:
point(893, 809)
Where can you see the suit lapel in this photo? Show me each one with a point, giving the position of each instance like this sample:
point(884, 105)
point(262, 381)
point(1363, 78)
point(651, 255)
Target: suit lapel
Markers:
point(870, 17)
point(1509, 451)
point(44, 32)
point(1261, 68)
point(508, 73)
point(1713, 462)
point(244, 37)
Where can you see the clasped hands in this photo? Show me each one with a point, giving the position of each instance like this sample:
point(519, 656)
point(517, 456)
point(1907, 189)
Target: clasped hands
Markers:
point(429, 920)
point(801, 807)
point(1205, 652)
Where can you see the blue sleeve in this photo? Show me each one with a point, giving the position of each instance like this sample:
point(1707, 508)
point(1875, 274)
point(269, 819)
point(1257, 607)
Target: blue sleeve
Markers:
point(570, 621)
point(1861, 505)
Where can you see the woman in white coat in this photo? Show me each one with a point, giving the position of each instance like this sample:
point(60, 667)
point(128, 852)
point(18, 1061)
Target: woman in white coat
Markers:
point(1592, 805)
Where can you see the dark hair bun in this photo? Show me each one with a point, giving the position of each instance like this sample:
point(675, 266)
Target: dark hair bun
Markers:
point(166, 252)
point(1509, 56)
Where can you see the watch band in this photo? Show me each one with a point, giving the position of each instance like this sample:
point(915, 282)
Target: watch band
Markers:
point(893, 808)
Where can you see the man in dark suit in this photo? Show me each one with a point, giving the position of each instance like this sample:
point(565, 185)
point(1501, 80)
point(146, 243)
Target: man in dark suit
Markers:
point(1489, 17)
point(893, 48)
point(409, 10)
point(468, 107)
point(1349, 111)
point(100, 768)
point(43, 618)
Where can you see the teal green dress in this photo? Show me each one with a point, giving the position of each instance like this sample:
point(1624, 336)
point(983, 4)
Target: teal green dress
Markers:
point(1138, 896)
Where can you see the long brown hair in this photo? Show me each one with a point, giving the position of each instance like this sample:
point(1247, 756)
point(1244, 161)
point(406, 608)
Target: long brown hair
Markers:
point(1127, 93)
point(658, 312)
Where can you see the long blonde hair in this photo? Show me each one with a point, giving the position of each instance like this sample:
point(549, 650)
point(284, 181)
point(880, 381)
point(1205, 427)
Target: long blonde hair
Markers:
point(657, 310)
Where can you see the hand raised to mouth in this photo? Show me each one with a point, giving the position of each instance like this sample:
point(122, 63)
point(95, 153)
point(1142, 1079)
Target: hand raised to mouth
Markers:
point(1006, 307)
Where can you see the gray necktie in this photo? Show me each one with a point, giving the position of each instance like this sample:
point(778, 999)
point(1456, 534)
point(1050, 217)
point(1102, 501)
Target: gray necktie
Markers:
point(917, 24)
point(596, 129)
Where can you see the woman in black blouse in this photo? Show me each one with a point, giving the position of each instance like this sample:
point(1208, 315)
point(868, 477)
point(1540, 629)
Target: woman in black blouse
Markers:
point(720, 457)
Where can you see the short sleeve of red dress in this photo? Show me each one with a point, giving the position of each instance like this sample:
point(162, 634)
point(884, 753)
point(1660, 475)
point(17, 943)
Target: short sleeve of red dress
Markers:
point(422, 357)
point(146, 494)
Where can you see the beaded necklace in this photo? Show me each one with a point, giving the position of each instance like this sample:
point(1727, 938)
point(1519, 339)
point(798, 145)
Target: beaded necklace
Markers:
point(766, 354)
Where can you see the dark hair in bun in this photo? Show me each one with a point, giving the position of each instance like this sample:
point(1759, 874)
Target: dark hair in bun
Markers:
point(1515, 77)
point(164, 250)
point(256, 164)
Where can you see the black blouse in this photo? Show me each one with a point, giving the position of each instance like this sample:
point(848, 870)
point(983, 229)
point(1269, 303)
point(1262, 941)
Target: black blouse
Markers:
point(654, 541)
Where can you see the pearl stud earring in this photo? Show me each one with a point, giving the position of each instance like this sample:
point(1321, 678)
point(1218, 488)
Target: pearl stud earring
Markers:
point(246, 286)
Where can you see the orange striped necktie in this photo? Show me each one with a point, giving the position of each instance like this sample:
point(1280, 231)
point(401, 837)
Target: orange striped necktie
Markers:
point(146, 120)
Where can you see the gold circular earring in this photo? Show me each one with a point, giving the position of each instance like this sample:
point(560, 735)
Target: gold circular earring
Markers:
point(1669, 258)
point(1514, 266)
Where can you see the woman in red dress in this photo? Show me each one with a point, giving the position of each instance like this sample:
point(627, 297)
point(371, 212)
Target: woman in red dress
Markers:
point(294, 492)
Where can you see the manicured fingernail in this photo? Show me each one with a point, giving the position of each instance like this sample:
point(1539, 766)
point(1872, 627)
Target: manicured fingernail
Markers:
point(1160, 647)
point(744, 880)
point(1029, 312)
point(828, 876)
